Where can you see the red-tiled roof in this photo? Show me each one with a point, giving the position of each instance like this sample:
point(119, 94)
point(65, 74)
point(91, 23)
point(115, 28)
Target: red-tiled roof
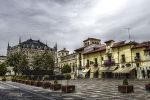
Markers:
point(118, 44)
point(80, 49)
point(142, 45)
point(122, 43)
point(100, 49)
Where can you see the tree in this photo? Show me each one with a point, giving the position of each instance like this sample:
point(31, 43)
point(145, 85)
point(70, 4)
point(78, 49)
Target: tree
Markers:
point(23, 64)
point(18, 61)
point(44, 61)
point(3, 69)
point(66, 69)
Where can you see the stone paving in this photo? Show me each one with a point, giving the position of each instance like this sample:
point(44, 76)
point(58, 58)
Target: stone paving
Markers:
point(86, 89)
point(107, 90)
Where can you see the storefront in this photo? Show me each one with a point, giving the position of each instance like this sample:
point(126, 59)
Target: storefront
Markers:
point(106, 72)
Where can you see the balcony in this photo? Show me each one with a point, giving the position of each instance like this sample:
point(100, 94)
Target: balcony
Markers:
point(95, 65)
point(87, 65)
point(109, 62)
point(136, 58)
point(122, 60)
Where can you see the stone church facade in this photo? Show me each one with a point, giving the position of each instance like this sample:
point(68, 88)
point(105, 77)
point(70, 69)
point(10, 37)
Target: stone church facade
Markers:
point(31, 48)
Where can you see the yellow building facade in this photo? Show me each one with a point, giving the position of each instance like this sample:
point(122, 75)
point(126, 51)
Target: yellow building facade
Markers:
point(113, 59)
point(64, 58)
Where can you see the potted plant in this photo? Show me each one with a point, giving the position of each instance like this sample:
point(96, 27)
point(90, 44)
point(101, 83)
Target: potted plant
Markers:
point(125, 87)
point(38, 83)
point(55, 86)
point(13, 79)
point(147, 87)
point(68, 88)
point(4, 79)
point(46, 84)
point(27, 82)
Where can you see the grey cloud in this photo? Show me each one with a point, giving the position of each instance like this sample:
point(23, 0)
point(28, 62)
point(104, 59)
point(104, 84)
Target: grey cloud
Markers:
point(69, 22)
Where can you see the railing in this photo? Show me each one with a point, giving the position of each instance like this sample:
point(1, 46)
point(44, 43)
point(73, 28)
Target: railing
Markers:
point(109, 62)
point(137, 58)
point(95, 65)
point(122, 60)
point(87, 65)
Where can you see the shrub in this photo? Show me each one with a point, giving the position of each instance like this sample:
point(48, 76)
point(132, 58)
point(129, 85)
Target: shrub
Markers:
point(66, 69)
point(67, 76)
point(46, 77)
point(55, 81)
point(4, 79)
point(125, 82)
point(46, 85)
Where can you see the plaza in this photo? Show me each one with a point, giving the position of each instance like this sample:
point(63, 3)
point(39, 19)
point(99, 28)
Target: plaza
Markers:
point(86, 89)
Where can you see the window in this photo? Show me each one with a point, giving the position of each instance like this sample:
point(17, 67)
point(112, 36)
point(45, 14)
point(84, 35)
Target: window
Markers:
point(80, 64)
point(138, 55)
point(95, 60)
point(88, 62)
point(102, 58)
point(137, 65)
point(123, 58)
point(79, 55)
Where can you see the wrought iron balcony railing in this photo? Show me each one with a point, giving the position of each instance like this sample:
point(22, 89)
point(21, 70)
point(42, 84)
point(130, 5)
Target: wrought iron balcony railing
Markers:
point(137, 58)
point(109, 62)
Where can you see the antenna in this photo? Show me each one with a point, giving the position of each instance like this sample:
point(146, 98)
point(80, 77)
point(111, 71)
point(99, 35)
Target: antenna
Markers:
point(128, 33)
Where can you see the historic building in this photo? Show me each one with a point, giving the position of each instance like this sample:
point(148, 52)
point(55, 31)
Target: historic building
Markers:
point(31, 48)
point(64, 58)
point(113, 59)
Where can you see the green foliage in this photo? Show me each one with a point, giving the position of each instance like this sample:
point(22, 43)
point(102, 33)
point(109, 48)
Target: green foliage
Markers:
point(55, 81)
point(125, 82)
point(4, 79)
point(66, 69)
point(43, 62)
point(18, 61)
point(67, 76)
point(3, 69)
point(46, 77)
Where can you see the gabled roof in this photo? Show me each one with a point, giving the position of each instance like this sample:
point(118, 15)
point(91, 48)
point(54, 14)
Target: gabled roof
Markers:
point(91, 39)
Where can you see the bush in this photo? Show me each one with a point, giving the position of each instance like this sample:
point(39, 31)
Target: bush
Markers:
point(3, 69)
point(46, 85)
point(55, 81)
point(67, 76)
point(66, 69)
point(46, 77)
point(38, 83)
point(125, 82)
point(4, 79)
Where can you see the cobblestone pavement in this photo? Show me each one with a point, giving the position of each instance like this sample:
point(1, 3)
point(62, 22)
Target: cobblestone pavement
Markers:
point(86, 89)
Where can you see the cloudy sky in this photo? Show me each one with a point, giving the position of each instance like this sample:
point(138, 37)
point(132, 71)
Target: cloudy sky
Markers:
point(69, 22)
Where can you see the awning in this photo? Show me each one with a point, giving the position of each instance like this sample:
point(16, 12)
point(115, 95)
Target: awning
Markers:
point(93, 70)
point(128, 70)
point(124, 70)
point(118, 70)
point(85, 71)
point(107, 69)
